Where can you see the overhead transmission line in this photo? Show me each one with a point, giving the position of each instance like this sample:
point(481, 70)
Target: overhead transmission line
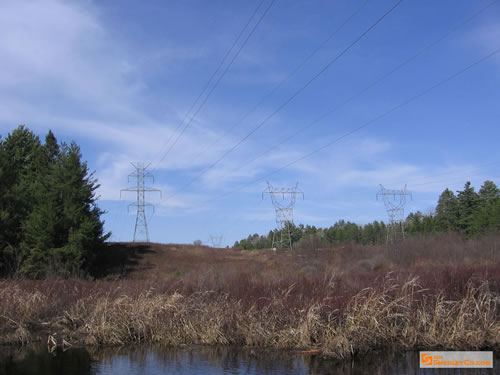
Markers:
point(364, 125)
point(212, 77)
point(289, 99)
point(214, 86)
point(357, 94)
point(287, 78)
point(207, 84)
point(463, 179)
point(367, 88)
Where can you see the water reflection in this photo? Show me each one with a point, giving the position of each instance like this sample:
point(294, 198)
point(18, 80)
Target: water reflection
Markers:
point(38, 360)
point(204, 360)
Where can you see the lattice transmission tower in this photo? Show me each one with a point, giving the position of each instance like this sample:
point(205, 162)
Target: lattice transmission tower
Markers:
point(284, 213)
point(141, 232)
point(216, 240)
point(394, 201)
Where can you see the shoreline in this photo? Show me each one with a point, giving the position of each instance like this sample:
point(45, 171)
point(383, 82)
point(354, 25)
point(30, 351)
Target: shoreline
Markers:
point(400, 315)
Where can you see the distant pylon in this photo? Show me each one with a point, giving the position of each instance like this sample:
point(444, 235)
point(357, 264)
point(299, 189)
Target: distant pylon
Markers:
point(284, 213)
point(141, 232)
point(216, 240)
point(394, 201)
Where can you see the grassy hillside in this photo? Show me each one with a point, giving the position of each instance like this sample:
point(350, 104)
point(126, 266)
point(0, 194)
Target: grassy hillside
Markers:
point(432, 293)
point(164, 261)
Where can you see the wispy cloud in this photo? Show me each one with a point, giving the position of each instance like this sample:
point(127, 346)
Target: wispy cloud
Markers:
point(73, 67)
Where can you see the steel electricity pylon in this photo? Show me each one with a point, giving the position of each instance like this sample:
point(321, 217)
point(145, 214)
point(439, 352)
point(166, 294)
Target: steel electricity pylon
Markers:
point(216, 240)
point(394, 201)
point(141, 232)
point(283, 200)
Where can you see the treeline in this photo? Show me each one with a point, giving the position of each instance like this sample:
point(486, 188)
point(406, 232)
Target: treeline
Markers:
point(50, 224)
point(468, 212)
point(310, 236)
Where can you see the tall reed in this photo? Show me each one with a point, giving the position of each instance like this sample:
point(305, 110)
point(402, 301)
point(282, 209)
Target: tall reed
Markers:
point(340, 321)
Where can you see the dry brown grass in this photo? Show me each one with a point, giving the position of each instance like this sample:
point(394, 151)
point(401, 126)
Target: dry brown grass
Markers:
point(158, 261)
point(389, 313)
point(341, 301)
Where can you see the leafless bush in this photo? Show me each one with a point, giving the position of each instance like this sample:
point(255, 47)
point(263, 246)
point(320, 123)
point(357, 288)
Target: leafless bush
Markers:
point(337, 319)
point(434, 292)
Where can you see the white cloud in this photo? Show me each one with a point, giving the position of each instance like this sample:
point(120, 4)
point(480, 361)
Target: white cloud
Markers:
point(486, 36)
point(59, 48)
point(60, 68)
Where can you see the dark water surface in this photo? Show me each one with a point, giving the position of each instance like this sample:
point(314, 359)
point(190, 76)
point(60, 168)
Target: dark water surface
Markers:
point(205, 360)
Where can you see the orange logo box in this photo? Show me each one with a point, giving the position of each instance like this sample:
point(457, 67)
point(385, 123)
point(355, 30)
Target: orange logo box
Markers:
point(427, 358)
point(457, 359)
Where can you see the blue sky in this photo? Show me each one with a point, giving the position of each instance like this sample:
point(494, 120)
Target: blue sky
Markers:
point(119, 77)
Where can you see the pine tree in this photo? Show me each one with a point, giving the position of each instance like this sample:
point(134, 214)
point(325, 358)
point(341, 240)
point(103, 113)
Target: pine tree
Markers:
point(49, 221)
point(18, 153)
point(488, 193)
point(73, 230)
point(368, 236)
point(42, 227)
point(414, 223)
point(487, 216)
point(468, 202)
point(447, 212)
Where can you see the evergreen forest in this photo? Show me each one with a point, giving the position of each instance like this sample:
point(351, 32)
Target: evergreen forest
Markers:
point(50, 224)
point(467, 212)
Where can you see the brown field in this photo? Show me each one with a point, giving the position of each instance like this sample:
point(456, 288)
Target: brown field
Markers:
point(162, 261)
point(434, 292)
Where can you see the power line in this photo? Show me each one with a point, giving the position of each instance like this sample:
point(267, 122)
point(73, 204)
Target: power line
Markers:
point(218, 81)
point(213, 75)
point(366, 124)
point(216, 240)
point(284, 213)
point(246, 221)
point(293, 96)
point(456, 179)
point(395, 211)
point(365, 89)
point(141, 232)
point(287, 78)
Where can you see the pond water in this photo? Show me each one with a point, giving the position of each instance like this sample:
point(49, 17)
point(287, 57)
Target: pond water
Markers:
point(205, 360)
